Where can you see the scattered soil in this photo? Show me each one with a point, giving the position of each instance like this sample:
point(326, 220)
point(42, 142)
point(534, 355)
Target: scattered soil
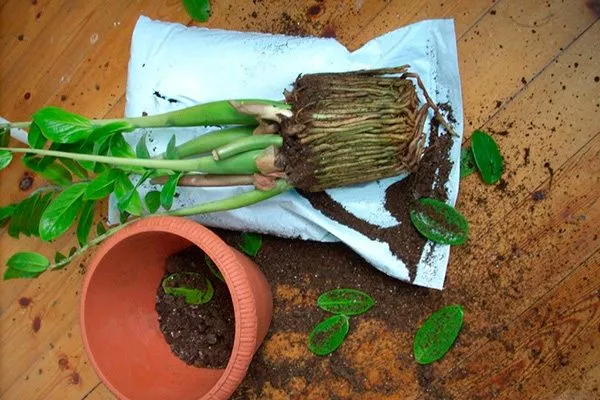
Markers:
point(199, 334)
point(428, 181)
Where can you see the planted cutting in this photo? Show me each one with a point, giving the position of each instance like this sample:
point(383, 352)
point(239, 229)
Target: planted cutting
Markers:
point(333, 129)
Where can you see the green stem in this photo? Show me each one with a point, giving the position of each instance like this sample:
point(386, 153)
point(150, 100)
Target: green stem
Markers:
point(231, 203)
point(245, 144)
point(241, 164)
point(211, 140)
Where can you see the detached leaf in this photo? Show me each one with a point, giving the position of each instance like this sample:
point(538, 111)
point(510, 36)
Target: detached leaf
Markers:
point(61, 126)
point(128, 198)
point(191, 295)
point(62, 211)
point(102, 185)
point(100, 229)
point(251, 243)
point(28, 262)
point(35, 138)
point(199, 10)
point(487, 157)
point(141, 150)
point(171, 152)
point(467, 162)
point(439, 222)
point(168, 191)
point(437, 334)
point(84, 225)
point(6, 213)
point(328, 335)
point(152, 201)
point(345, 301)
point(213, 268)
point(5, 159)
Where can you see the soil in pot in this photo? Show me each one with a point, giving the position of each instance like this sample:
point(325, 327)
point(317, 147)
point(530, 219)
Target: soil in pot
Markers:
point(200, 334)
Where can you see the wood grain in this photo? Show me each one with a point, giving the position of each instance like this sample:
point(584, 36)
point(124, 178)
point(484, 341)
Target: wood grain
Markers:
point(529, 277)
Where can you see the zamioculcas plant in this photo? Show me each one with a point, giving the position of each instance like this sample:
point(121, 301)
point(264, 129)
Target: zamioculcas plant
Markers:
point(334, 129)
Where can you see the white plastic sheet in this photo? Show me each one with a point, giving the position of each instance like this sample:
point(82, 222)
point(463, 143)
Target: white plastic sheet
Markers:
point(197, 65)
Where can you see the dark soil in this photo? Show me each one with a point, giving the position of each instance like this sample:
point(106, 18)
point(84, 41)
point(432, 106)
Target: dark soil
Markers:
point(199, 334)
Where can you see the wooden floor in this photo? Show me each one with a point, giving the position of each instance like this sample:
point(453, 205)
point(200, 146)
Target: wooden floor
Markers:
point(530, 277)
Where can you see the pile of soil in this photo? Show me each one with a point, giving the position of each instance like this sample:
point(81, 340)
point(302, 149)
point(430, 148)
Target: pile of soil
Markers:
point(199, 334)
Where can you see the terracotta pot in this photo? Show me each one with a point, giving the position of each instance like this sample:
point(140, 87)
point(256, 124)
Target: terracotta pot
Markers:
point(120, 325)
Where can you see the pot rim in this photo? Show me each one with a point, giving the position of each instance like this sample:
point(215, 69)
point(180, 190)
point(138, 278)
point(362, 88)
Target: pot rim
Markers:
point(238, 283)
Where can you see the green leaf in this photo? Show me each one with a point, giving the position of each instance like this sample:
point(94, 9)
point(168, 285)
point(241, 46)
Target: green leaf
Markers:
point(103, 184)
point(467, 162)
point(171, 152)
point(72, 251)
point(29, 227)
point(84, 226)
point(61, 126)
point(100, 229)
point(199, 10)
point(487, 157)
point(439, 222)
point(152, 201)
point(251, 243)
point(35, 138)
point(58, 257)
point(12, 273)
point(168, 191)
point(28, 262)
point(437, 334)
point(328, 335)
point(119, 147)
point(5, 159)
point(6, 213)
point(128, 199)
point(36, 216)
point(74, 167)
point(4, 137)
point(213, 268)
point(54, 173)
point(191, 295)
point(109, 129)
point(345, 301)
point(141, 150)
point(62, 211)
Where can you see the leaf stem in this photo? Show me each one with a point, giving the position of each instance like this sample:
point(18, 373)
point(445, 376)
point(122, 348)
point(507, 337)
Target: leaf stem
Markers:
point(256, 142)
point(241, 164)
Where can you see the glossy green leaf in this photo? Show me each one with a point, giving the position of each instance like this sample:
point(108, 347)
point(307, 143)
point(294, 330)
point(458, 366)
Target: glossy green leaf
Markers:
point(29, 227)
point(36, 214)
point(119, 147)
point(59, 257)
point(19, 218)
point(141, 150)
point(439, 222)
point(72, 251)
point(35, 138)
point(61, 126)
point(4, 137)
point(12, 273)
point(213, 268)
point(5, 159)
point(437, 334)
point(28, 262)
point(54, 173)
point(100, 229)
point(171, 153)
point(345, 301)
point(328, 335)
point(128, 198)
point(152, 201)
point(199, 10)
point(251, 243)
point(62, 211)
point(168, 191)
point(74, 167)
point(467, 162)
point(111, 128)
point(103, 184)
point(84, 226)
point(487, 157)
point(6, 213)
point(191, 295)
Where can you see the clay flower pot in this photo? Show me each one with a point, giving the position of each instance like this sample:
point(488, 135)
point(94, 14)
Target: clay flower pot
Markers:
point(120, 325)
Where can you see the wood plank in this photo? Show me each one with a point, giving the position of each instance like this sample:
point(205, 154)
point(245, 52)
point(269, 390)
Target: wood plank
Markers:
point(101, 392)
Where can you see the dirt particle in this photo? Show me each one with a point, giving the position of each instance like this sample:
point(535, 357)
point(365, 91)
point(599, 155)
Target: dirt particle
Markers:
point(597, 79)
point(526, 156)
point(63, 97)
point(38, 15)
point(97, 86)
point(498, 103)
point(75, 378)
point(144, 114)
point(493, 12)
point(594, 6)
point(20, 37)
point(313, 10)
point(34, 2)
point(538, 195)
point(63, 363)
point(328, 32)
point(24, 301)
point(26, 182)
point(37, 324)
point(254, 14)
point(523, 80)
point(27, 96)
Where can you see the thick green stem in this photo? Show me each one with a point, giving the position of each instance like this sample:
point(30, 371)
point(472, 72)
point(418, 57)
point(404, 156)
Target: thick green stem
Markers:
point(256, 142)
point(241, 164)
point(231, 203)
point(211, 140)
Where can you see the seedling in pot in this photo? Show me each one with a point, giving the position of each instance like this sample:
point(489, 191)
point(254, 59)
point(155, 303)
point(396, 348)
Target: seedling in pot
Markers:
point(174, 286)
point(334, 129)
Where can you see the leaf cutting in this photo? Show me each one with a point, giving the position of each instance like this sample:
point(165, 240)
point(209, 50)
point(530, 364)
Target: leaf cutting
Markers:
point(487, 157)
point(345, 301)
point(437, 334)
point(439, 222)
point(328, 335)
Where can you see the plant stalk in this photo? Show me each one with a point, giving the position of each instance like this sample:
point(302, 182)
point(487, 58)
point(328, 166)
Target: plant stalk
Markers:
point(210, 141)
point(242, 145)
